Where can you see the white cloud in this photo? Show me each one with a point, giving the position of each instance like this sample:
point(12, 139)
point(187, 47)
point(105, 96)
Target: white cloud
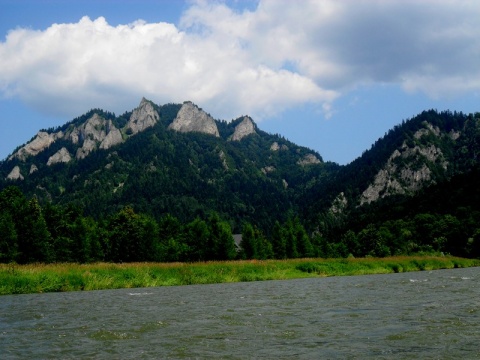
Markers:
point(261, 62)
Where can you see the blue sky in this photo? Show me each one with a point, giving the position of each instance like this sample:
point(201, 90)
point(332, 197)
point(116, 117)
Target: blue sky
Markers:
point(330, 75)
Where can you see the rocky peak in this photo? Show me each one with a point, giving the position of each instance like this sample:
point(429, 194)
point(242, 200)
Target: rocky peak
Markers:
point(244, 128)
point(96, 130)
point(41, 142)
point(92, 129)
point(191, 119)
point(114, 137)
point(144, 116)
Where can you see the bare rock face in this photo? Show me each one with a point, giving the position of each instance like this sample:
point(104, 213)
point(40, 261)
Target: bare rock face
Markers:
point(143, 117)
point(96, 132)
point(95, 128)
point(41, 142)
point(191, 119)
point(339, 204)
point(276, 147)
point(410, 177)
point(88, 146)
point(61, 156)
point(268, 169)
point(244, 128)
point(33, 168)
point(113, 138)
point(15, 174)
point(223, 159)
point(309, 159)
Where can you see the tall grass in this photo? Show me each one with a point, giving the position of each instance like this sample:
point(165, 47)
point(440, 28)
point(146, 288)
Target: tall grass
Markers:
point(39, 278)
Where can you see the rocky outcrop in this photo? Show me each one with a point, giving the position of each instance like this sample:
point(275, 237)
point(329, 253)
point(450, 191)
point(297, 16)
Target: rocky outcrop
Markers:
point(339, 204)
point(429, 128)
point(95, 132)
point(223, 159)
point(93, 129)
point(114, 137)
point(309, 159)
point(268, 169)
point(192, 119)
point(406, 170)
point(244, 128)
point(41, 142)
point(33, 168)
point(276, 147)
point(15, 174)
point(143, 117)
point(61, 156)
point(88, 146)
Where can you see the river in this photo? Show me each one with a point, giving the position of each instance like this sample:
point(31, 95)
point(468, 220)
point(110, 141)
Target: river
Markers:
point(418, 315)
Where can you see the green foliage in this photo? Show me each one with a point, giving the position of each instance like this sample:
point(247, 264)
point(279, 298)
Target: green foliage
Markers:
point(254, 244)
point(221, 243)
point(39, 278)
point(279, 245)
point(131, 237)
point(169, 196)
point(8, 238)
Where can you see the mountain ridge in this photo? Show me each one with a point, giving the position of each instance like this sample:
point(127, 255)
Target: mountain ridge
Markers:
point(413, 191)
point(183, 140)
point(70, 161)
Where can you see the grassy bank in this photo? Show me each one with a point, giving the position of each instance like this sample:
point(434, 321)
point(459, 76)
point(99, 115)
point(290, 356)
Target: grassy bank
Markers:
point(39, 278)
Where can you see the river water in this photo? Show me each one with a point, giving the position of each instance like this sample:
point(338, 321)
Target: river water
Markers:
point(419, 315)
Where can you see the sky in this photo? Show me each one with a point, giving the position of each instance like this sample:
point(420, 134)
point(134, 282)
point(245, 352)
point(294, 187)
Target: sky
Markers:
point(331, 75)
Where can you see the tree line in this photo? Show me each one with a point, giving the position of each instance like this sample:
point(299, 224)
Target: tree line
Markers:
point(443, 218)
point(31, 233)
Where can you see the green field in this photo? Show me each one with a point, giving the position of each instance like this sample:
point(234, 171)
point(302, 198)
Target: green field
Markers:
point(40, 278)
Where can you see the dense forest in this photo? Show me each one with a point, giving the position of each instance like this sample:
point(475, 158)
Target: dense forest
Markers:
point(442, 219)
point(163, 195)
point(55, 233)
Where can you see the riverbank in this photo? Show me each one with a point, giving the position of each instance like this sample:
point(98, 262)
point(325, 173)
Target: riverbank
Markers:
point(40, 278)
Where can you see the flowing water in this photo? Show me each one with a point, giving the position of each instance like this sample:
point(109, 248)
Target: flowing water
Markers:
point(420, 315)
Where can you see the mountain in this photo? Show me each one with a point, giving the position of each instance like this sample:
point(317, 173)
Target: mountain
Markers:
point(425, 150)
point(172, 159)
point(176, 159)
point(383, 197)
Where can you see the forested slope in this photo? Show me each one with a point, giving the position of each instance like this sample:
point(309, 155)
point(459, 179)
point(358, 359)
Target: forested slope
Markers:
point(171, 177)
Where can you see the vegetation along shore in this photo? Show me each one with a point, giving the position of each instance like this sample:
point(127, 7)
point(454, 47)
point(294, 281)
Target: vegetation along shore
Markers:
point(41, 278)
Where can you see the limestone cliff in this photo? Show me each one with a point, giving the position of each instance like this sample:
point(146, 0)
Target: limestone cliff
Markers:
point(244, 128)
point(339, 204)
point(41, 142)
point(191, 119)
point(143, 117)
point(61, 156)
point(95, 132)
point(406, 170)
point(308, 159)
point(114, 137)
point(15, 174)
point(276, 147)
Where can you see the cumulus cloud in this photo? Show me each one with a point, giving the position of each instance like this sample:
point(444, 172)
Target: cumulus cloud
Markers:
point(261, 62)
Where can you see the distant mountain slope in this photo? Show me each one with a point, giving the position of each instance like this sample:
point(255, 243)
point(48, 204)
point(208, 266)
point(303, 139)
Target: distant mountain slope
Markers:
point(166, 159)
point(425, 150)
point(177, 159)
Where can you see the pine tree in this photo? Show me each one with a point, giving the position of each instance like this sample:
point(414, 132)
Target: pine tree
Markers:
point(279, 245)
point(249, 242)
